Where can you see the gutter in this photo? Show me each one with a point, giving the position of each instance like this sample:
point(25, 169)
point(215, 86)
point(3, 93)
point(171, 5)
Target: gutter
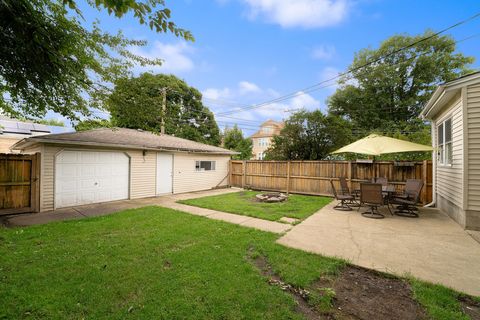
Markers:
point(434, 177)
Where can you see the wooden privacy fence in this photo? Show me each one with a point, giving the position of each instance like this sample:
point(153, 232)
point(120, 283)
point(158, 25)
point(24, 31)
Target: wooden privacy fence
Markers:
point(313, 177)
point(19, 183)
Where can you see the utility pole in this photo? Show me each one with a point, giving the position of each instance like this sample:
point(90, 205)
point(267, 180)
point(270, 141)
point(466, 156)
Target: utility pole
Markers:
point(164, 110)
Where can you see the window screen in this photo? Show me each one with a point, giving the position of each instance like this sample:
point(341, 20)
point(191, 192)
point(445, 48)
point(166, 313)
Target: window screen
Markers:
point(440, 134)
point(204, 165)
point(448, 130)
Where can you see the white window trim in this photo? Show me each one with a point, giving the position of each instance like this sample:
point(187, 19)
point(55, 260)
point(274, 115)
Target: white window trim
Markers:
point(442, 157)
point(200, 170)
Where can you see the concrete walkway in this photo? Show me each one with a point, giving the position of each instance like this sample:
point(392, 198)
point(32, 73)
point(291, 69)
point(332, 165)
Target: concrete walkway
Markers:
point(164, 201)
point(433, 247)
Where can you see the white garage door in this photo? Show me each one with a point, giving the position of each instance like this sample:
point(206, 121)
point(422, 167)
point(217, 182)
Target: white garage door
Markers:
point(83, 177)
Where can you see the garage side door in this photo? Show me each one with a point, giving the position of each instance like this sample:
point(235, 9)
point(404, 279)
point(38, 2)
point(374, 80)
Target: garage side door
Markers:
point(83, 177)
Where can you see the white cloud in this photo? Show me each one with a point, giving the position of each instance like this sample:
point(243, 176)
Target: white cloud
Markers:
point(216, 94)
point(176, 56)
point(246, 93)
point(304, 100)
point(248, 87)
point(324, 52)
point(299, 13)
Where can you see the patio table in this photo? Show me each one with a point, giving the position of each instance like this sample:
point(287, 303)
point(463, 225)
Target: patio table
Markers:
point(388, 191)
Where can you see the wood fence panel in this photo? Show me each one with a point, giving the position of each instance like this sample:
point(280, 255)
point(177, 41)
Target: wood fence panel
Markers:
point(313, 177)
point(19, 183)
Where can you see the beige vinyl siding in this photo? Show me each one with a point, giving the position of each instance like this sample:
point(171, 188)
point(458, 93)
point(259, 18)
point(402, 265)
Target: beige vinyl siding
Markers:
point(473, 147)
point(142, 172)
point(187, 179)
point(6, 143)
point(449, 183)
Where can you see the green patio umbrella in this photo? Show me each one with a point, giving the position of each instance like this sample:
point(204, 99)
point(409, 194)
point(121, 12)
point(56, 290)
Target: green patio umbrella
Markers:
point(376, 145)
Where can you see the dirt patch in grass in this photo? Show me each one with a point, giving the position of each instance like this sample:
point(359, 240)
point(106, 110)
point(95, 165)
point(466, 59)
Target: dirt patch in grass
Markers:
point(300, 295)
point(470, 307)
point(356, 293)
point(366, 294)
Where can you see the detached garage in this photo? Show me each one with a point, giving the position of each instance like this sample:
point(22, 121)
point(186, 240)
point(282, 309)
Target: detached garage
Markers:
point(106, 164)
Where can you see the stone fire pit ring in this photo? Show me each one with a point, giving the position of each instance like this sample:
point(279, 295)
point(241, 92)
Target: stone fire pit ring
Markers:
point(271, 197)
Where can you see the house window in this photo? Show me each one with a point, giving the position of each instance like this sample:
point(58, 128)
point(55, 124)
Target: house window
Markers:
point(263, 142)
point(204, 165)
point(444, 134)
point(267, 129)
point(260, 156)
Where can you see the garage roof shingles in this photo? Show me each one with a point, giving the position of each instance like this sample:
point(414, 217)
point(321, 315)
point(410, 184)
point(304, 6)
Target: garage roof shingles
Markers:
point(126, 138)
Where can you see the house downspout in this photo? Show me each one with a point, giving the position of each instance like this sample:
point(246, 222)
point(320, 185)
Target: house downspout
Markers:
point(434, 170)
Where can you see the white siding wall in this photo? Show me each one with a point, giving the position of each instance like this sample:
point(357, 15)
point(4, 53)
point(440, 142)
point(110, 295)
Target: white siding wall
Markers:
point(473, 145)
point(186, 179)
point(449, 183)
point(142, 173)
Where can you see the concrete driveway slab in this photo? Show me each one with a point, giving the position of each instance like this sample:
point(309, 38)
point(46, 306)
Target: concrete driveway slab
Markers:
point(433, 247)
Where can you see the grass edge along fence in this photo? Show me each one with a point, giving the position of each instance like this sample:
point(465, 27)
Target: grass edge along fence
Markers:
point(313, 177)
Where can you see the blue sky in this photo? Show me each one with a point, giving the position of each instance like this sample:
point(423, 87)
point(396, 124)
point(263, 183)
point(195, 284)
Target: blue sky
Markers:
point(250, 51)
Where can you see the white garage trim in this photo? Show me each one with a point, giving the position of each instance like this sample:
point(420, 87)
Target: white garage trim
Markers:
point(90, 176)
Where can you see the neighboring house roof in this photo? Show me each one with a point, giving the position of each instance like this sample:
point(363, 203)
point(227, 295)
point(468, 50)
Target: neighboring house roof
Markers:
point(125, 139)
point(276, 126)
point(17, 128)
point(445, 92)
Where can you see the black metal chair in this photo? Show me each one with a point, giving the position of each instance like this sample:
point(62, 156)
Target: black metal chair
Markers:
point(371, 196)
point(407, 202)
point(344, 199)
point(346, 191)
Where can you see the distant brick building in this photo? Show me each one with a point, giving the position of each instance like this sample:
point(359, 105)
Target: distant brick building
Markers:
point(262, 139)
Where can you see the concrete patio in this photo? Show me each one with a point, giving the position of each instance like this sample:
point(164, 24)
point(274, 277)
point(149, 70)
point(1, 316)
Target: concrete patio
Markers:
point(432, 247)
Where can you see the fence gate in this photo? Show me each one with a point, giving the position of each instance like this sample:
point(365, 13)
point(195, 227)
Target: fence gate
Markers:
point(19, 183)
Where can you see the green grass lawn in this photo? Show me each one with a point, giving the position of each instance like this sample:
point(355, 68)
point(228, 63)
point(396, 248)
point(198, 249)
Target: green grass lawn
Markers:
point(157, 263)
point(243, 202)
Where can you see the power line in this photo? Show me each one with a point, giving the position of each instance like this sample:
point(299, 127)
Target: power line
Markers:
point(308, 89)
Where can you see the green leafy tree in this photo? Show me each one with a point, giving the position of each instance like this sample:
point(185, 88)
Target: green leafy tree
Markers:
point(137, 103)
point(387, 96)
point(233, 140)
point(310, 135)
point(89, 124)
point(50, 61)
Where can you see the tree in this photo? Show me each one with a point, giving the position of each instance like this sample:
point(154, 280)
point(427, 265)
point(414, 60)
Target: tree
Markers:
point(387, 96)
point(51, 122)
point(89, 124)
point(137, 103)
point(309, 135)
point(233, 140)
point(50, 61)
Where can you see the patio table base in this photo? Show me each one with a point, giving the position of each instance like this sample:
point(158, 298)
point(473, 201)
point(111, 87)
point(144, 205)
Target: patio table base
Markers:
point(372, 215)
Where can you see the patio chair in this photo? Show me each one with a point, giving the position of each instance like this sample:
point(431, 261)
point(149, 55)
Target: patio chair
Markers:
point(371, 196)
point(344, 199)
point(407, 202)
point(382, 180)
point(346, 191)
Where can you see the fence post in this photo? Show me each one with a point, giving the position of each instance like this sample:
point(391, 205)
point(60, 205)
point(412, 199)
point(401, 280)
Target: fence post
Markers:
point(425, 181)
point(350, 175)
point(244, 173)
point(288, 177)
